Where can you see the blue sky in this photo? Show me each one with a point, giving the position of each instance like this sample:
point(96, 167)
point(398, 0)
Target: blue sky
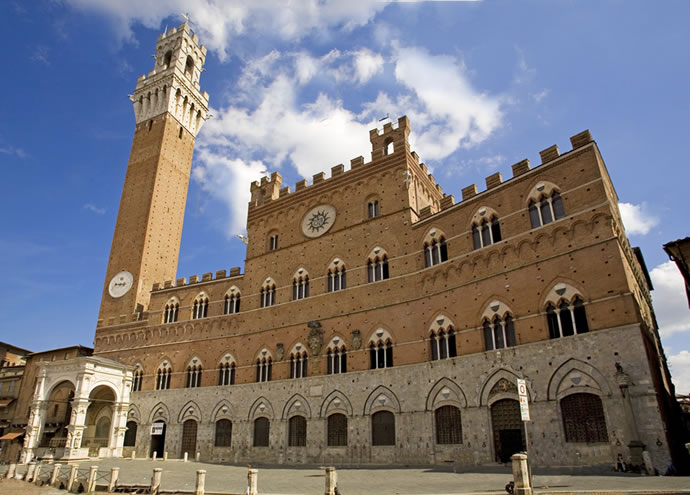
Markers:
point(485, 85)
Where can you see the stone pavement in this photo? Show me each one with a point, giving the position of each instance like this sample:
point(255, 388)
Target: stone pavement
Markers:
point(385, 480)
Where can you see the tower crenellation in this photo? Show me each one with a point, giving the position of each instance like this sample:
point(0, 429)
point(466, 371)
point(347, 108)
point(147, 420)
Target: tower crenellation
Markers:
point(173, 84)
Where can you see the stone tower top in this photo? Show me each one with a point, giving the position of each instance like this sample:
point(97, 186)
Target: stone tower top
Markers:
point(173, 84)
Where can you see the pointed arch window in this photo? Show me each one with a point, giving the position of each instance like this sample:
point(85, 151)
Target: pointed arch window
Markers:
point(373, 208)
point(442, 343)
point(136, 380)
point(298, 362)
point(268, 294)
point(200, 307)
point(264, 369)
point(566, 319)
point(193, 376)
point(486, 232)
point(377, 268)
point(383, 428)
point(223, 433)
point(546, 209)
point(300, 285)
point(336, 357)
point(448, 425)
point(171, 311)
point(297, 431)
point(261, 432)
point(226, 373)
point(499, 332)
point(163, 377)
point(583, 419)
point(232, 303)
point(336, 276)
point(337, 430)
point(435, 251)
point(381, 352)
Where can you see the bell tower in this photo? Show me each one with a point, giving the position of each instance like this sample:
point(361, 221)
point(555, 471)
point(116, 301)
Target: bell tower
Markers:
point(169, 109)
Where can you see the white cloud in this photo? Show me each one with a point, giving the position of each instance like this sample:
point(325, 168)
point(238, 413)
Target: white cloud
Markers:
point(11, 150)
point(537, 97)
point(94, 208)
point(680, 371)
point(367, 65)
point(670, 302)
point(636, 218)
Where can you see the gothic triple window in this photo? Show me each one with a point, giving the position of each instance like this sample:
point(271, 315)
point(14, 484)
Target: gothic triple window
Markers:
point(336, 276)
point(136, 379)
point(442, 343)
point(226, 373)
point(336, 357)
point(380, 350)
point(264, 367)
point(435, 251)
point(546, 209)
point(566, 319)
point(200, 307)
point(499, 332)
point(170, 313)
point(486, 232)
point(268, 293)
point(298, 362)
point(193, 375)
point(377, 266)
point(163, 376)
point(232, 301)
point(300, 285)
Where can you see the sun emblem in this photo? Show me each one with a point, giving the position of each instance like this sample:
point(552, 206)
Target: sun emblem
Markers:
point(319, 220)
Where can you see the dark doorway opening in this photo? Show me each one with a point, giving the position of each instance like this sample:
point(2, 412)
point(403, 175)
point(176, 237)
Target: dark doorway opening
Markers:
point(508, 430)
point(158, 441)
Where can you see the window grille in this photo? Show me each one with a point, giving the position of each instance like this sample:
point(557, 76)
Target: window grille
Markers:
point(383, 428)
point(337, 430)
point(583, 419)
point(297, 431)
point(189, 428)
point(448, 425)
point(223, 433)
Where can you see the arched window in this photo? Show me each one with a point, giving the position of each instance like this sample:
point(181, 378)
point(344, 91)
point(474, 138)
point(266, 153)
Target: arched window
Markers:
point(298, 362)
point(297, 431)
point(336, 356)
point(170, 313)
point(189, 431)
point(189, 67)
point(163, 376)
point(200, 308)
point(136, 379)
point(373, 208)
point(167, 58)
point(268, 293)
point(336, 276)
point(273, 242)
point(193, 376)
point(389, 147)
point(226, 373)
point(337, 430)
point(442, 343)
point(381, 350)
point(486, 232)
point(435, 251)
point(383, 428)
point(264, 367)
point(232, 301)
point(261, 432)
point(377, 266)
point(499, 333)
point(223, 433)
point(566, 319)
point(546, 209)
point(130, 434)
point(448, 425)
point(583, 419)
point(300, 285)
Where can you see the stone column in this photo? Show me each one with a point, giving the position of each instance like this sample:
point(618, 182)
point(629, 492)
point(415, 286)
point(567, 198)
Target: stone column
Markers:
point(75, 430)
point(91, 483)
point(54, 475)
point(33, 429)
point(252, 482)
point(165, 455)
point(114, 476)
point(119, 427)
point(72, 478)
point(331, 480)
point(200, 482)
point(521, 475)
point(185, 457)
point(37, 473)
point(12, 470)
point(156, 480)
point(31, 468)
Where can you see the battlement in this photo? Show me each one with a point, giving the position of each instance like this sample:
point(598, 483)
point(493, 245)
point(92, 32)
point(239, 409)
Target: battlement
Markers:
point(392, 140)
point(520, 168)
point(235, 271)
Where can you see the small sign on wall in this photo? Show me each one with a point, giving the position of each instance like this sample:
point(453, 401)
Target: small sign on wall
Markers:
point(157, 428)
point(524, 404)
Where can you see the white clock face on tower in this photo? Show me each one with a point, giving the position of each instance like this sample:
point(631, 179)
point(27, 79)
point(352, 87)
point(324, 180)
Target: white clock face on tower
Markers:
point(318, 220)
point(120, 284)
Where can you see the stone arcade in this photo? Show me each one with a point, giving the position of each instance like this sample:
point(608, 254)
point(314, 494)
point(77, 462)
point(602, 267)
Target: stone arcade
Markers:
point(376, 320)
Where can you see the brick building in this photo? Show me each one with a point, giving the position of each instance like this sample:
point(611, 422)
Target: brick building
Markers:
point(376, 320)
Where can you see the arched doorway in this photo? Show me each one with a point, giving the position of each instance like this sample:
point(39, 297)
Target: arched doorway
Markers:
point(99, 417)
point(509, 434)
point(158, 438)
point(189, 428)
point(57, 416)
